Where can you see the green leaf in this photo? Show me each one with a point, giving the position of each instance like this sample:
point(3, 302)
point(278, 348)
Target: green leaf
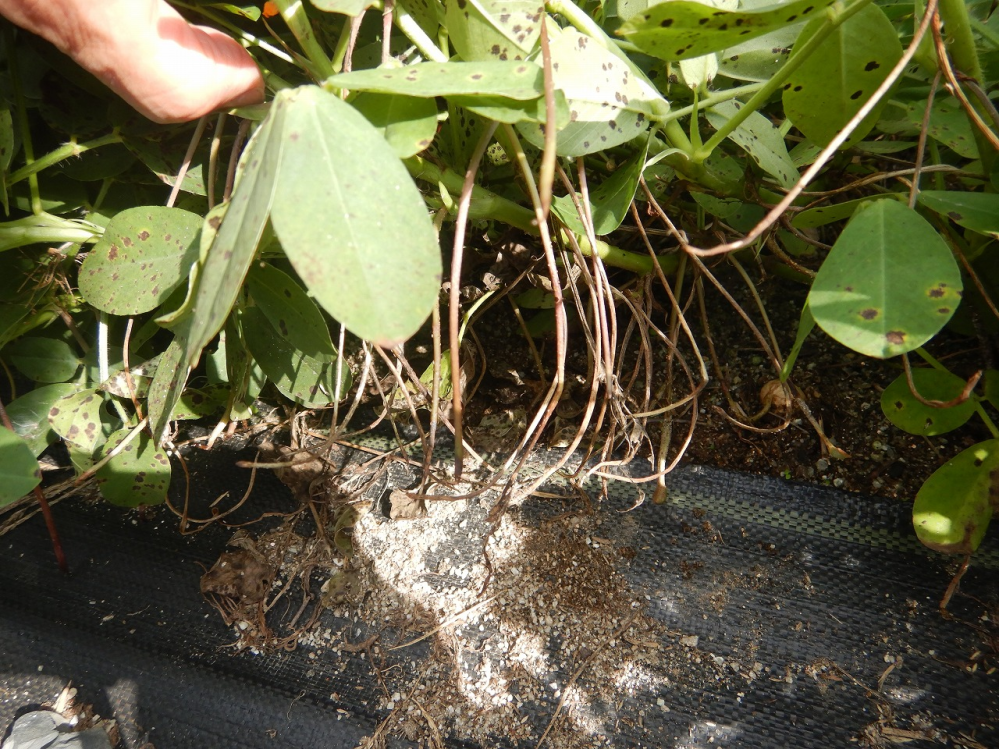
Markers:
point(44, 228)
point(77, 419)
point(377, 271)
point(953, 508)
point(948, 125)
point(6, 152)
point(145, 254)
point(738, 214)
point(19, 471)
point(760, 139)
point(831, 86)
point(683, 29)
point(407, 123)
point(309, 380)
point(493, 29)
point(610, 102)
point(290, 311)
point(520, 80)
point(163, 157)
point(888, 285)
point(759, 59)
point(167, 387)
point(99, 164)
point(226, 263)
point(909, 415)
point(978, 211)
point(346, 7)
point(43, 359)
point(194, 404)
point(827, 214)
point(427, 13)
point(138, 475)
point(246, 11)
point(29, 414)
point(609, 202)
point(512, 111)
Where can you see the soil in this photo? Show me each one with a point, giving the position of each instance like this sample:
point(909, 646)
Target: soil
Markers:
point(841, 389)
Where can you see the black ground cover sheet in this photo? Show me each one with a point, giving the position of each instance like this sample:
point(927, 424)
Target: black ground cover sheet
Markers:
point(858, 654)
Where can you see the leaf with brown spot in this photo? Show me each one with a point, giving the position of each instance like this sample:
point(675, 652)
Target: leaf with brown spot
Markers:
point(115, 277)
point(138, 475)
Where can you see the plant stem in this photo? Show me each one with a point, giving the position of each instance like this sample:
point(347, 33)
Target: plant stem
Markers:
point(245, 37)
point(408, 26)
point(488, 205)
point(959, 39)
point(65, 151)
point(40, 496)
point(22, 120)
point(834, 19)
point(293, 13)
point(716, 97)
point(485, 204)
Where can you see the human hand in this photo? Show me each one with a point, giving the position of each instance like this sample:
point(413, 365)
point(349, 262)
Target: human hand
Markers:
point(168, 69)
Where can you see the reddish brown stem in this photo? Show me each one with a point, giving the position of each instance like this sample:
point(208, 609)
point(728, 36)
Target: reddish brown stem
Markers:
point(44, 504)
point(53, 531)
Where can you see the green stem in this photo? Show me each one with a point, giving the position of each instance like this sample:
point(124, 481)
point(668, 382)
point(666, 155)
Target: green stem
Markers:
point(715, 98)
point(408, 25)
point(65, 151)
point(959, 39)
point(340, 51)
point(22, 121)
point(980, 410)
point(680, 160)
point(294, 15)
point(618, 258)
point(489, 205)
point(485, 204)
point(834, 19)
point(928, 358)
point(245, 37)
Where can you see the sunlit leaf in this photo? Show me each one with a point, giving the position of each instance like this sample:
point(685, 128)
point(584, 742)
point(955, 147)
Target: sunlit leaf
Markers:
point(953, 508)
point(29, 414)
point(144, 254)
point(760, 139)
point(493, 29)
point(888, 285)
point(683, 29)
point(831, 86)
point(513, 80)
point(609, 202)
point(610, 102)
point(377, 271)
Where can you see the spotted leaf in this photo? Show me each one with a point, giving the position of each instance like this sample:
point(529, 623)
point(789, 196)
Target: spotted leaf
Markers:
point(682, 29)
point(831, 86)
point(910, 415)
point(144, 255)
point(953, 508)
point(889, 284)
